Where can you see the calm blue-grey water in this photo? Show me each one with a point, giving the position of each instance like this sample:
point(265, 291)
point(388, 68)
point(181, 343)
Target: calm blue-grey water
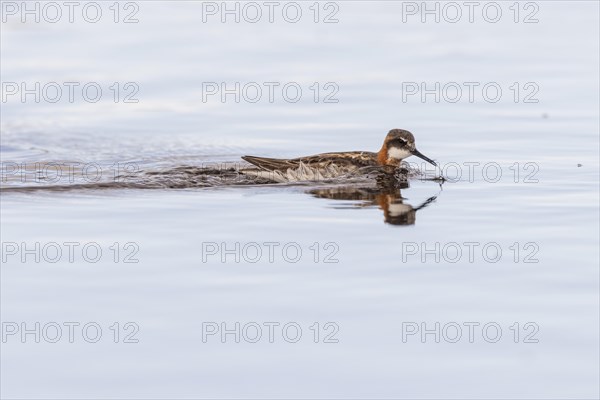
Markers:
point(485, 286)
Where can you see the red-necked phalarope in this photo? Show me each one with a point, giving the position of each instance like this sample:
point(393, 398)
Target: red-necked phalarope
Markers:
point(398, 145)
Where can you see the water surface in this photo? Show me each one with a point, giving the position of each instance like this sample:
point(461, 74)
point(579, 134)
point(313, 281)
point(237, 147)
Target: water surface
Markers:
point(372, 262)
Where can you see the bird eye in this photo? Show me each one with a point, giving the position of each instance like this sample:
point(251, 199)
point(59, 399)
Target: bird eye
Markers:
point(397, 142)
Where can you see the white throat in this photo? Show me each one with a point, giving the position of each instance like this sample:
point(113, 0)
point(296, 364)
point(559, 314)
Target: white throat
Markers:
point(398, 154)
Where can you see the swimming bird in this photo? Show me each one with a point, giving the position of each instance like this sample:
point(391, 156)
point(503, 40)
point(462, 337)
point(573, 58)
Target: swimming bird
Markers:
point(398, 145)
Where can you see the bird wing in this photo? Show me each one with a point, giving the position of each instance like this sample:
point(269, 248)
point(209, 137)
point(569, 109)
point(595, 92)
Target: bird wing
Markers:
point(352, 158)
point(270, 164)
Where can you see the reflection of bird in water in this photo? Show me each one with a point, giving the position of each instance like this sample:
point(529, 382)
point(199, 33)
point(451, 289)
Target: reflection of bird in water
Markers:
point(396, 212)
point(398, 145)
point(388, 198)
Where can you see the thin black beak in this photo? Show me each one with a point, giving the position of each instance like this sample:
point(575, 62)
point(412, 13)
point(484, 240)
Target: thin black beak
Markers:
point(417, 153)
